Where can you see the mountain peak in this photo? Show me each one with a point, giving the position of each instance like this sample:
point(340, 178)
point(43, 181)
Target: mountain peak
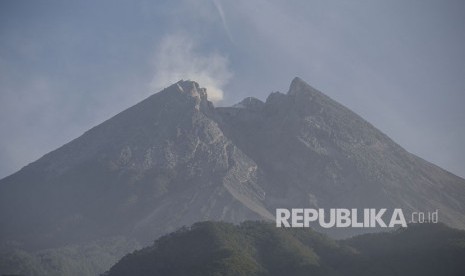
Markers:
point(190, 88)
point(192, 91)
point(298, 86)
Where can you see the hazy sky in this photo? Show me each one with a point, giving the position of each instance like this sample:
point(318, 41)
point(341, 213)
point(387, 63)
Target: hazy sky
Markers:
point(66, 66)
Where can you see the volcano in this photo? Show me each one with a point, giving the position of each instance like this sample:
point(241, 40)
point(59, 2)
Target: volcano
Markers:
point(174, 159)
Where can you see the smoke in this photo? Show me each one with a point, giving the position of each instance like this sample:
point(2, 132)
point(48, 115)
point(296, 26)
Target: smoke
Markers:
point(178, 58)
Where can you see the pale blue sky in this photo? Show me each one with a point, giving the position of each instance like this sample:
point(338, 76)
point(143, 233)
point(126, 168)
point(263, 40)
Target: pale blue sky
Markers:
point(66, 66)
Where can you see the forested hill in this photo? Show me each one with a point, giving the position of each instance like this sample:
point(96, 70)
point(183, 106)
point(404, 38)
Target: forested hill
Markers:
point(259, 248)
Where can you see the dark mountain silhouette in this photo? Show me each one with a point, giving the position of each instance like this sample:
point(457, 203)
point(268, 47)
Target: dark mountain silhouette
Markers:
point(257, 248)
point(175, 159)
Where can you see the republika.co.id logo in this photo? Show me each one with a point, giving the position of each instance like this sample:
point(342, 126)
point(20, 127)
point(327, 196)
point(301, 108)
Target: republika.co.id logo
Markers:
point(355, 218)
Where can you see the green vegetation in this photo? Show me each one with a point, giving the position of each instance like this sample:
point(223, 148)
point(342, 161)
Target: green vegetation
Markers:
point(255, 248)
point(88, 259)
point(258, 248)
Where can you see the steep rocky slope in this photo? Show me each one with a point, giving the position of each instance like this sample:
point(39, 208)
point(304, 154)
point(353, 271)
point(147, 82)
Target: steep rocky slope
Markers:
point(314, 152)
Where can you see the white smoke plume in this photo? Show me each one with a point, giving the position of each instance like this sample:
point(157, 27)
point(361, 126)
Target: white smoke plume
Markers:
point(178, 58)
